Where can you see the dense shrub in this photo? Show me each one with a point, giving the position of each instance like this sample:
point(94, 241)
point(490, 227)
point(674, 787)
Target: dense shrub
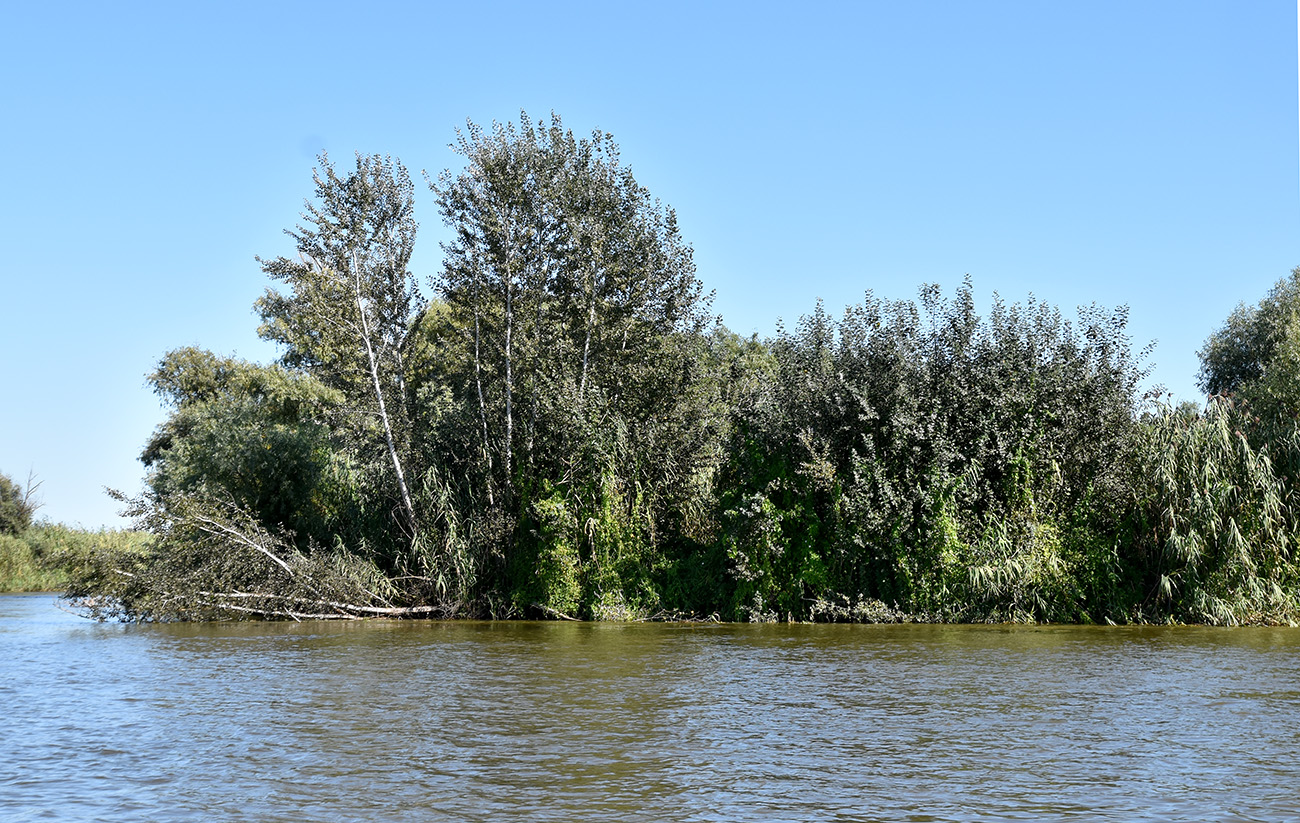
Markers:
point(917, 454)
point(1219, 524)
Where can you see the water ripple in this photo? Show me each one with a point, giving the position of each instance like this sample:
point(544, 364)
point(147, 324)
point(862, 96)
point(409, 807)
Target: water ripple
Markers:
point(557, 721)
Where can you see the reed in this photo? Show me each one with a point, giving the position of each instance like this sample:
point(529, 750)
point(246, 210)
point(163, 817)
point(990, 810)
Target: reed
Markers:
point(1220, 522)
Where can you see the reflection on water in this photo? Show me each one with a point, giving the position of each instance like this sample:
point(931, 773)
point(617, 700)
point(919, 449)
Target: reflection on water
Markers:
point(408, 721)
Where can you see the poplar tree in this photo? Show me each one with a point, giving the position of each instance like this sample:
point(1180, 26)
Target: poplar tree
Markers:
point(580, 319)
point(568, 280)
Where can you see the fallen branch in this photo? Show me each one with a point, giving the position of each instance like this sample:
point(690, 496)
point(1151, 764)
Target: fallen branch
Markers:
point(222, 529)
point(556, 614)
point(348, 611)
point(673, 616)
point(299, 616)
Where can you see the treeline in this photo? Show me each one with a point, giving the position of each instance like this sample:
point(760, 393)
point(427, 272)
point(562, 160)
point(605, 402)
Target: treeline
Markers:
point(565, 429)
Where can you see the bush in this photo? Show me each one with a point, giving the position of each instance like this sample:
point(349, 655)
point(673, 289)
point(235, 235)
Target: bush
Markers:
point(22, 571)
point(919, 455)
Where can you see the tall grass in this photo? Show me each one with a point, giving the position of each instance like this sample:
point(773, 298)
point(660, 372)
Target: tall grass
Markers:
point(1220, 522)
point(43, 558)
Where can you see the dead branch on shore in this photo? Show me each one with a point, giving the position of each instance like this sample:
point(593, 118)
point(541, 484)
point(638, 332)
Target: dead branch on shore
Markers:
point(212, 559)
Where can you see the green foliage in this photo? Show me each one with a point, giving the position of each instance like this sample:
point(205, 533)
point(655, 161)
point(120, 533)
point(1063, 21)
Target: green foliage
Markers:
point(17, 505)
point(918, 455)
point(566, 431)
point(259, 435)
point(601, 566)
point(574, 359)
point(47, 557)
point(551, 581)
point(1219, 523)
point(22, 571)
point(1256, 343)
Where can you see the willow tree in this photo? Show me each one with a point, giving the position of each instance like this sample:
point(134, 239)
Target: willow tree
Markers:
point(352, 303)
point(1245, 350)
point(1254, 359)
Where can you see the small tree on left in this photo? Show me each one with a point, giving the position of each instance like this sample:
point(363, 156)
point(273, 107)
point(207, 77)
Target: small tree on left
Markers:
point(282, 490)
point(17, 504)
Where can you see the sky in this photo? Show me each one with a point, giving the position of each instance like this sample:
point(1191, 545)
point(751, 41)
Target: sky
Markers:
point(1118, 153)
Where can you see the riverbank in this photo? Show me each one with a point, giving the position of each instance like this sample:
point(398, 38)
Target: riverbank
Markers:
point(46, 556)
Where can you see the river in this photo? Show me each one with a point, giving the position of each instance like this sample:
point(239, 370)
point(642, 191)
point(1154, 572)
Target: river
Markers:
point(473, 721)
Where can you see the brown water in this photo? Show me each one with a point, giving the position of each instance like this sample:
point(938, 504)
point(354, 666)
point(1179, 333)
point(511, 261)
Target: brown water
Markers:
point(391, 721)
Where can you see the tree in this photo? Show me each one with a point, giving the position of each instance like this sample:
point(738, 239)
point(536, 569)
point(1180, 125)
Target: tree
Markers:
point(563, 273)
point(580, 316)
point(353, 303)
point(917, 453)
point(1255, 343)
point(258, 436)
point(1217, 520)
point(17, 504)
point(1253, 361)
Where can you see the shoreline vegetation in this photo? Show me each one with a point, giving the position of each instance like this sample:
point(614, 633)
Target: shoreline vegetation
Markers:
point(563, 429)
point(47, 557)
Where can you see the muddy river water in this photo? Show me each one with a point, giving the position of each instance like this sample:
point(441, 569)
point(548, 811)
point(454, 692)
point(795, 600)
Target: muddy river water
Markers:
point(467, 721)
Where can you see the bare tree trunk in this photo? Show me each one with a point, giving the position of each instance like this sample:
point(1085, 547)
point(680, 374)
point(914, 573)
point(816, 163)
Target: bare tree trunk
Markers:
point(591, 323)
point(618, 380)
point(540, 291)
point(482, 405)
point(399, 344)
point(379, 397)
point(540, 342)
point(510, 425)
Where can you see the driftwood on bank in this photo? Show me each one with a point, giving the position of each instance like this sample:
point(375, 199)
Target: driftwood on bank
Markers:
point(338, 610)
point(275, 606)
point(211, 559)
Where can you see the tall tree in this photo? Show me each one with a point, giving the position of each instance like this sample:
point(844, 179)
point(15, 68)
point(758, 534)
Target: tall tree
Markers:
point(352, 302)
point(581, 317)
point(566, 276)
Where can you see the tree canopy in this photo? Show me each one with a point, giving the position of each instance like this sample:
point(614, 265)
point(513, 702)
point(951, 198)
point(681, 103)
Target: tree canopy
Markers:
point(579, 319)
point(559, 426)
point(1256, 343)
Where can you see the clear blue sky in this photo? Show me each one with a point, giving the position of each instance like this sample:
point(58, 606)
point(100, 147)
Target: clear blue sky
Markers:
point(1110, 152)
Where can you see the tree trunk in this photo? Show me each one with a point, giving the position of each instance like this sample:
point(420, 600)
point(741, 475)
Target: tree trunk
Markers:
point(510, 426)
point(379, 397)
point(482, 405)
point(539, 347)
